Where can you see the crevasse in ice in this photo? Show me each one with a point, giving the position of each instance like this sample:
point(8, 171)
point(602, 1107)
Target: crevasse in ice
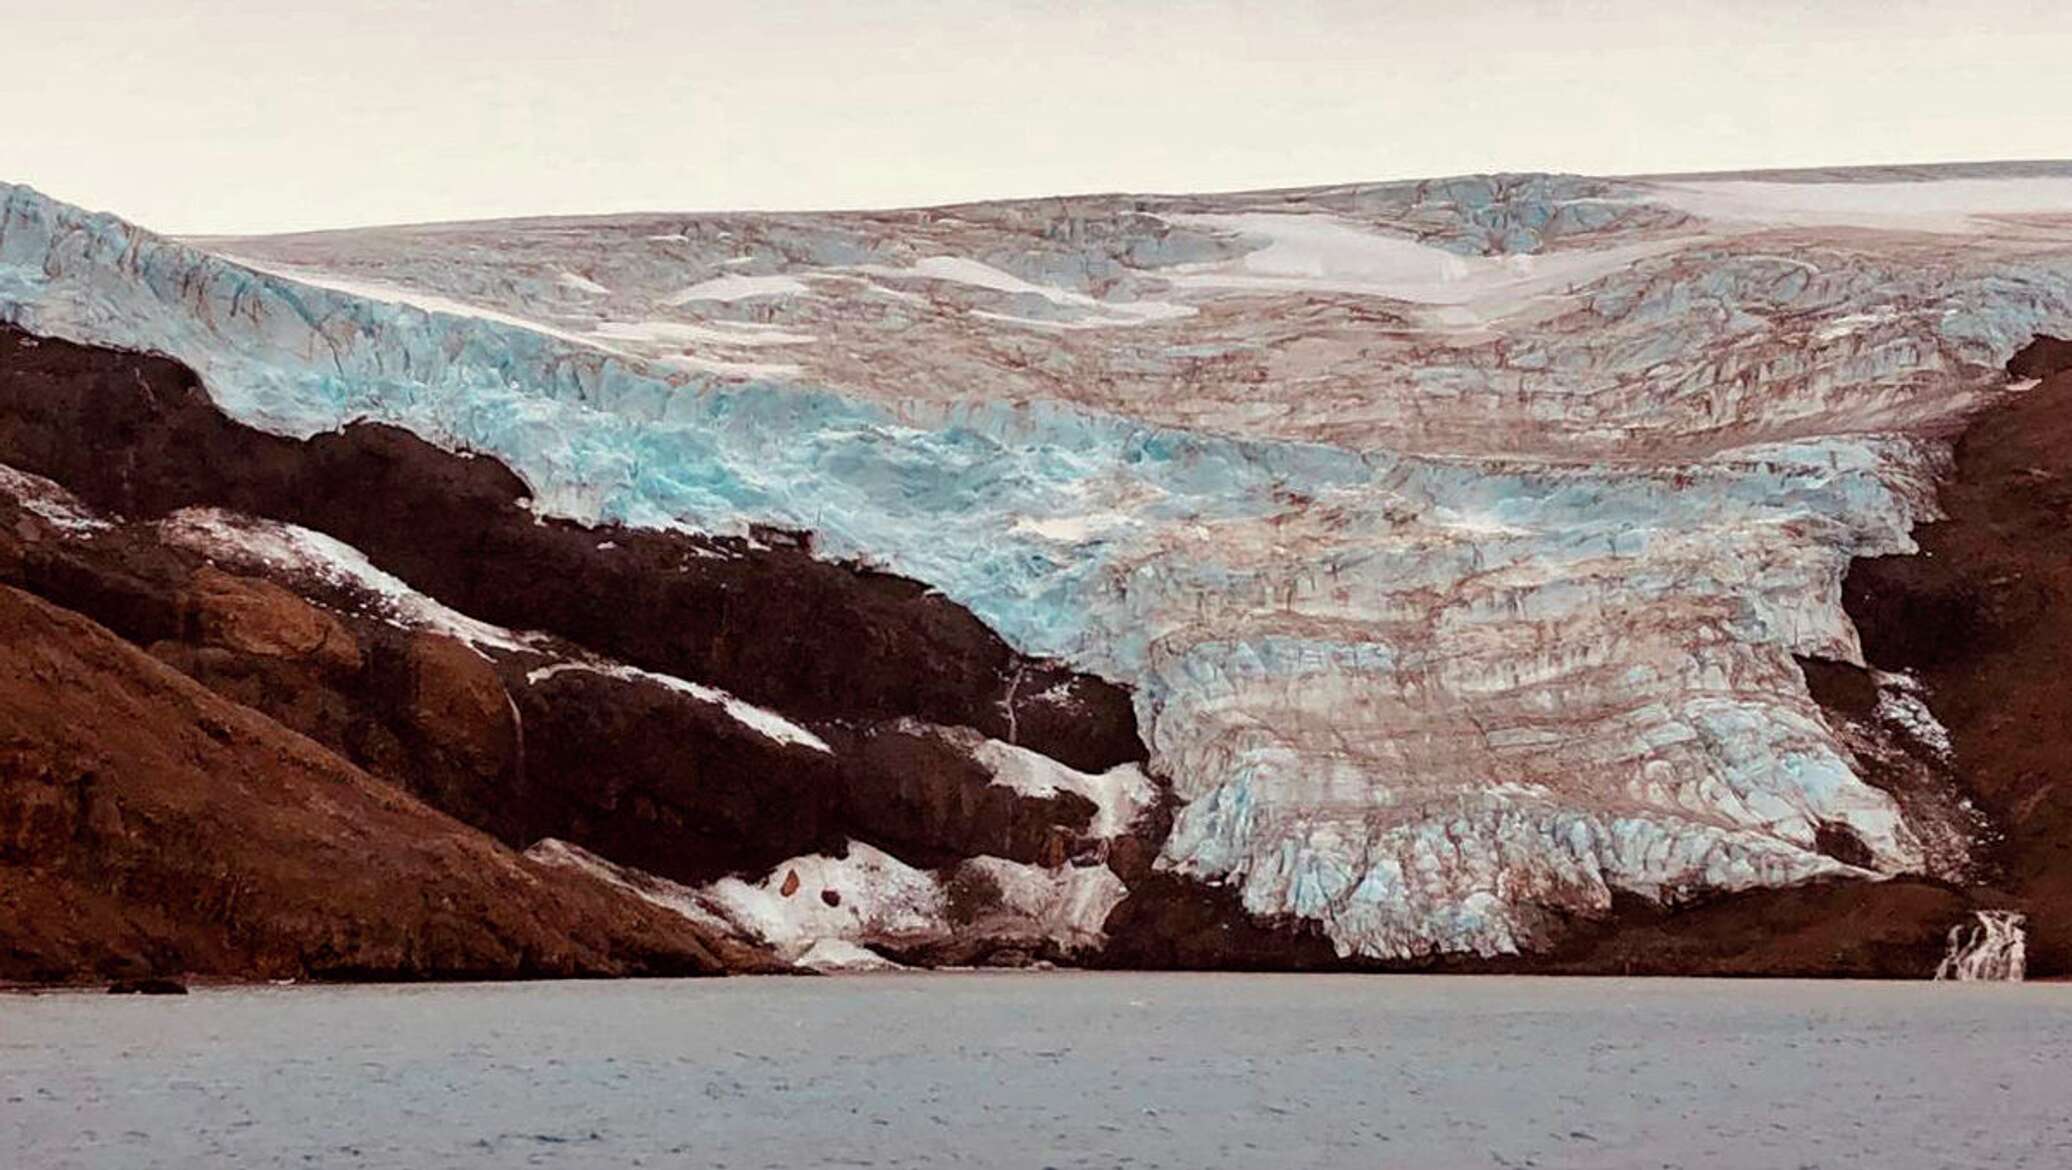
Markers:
point(1456, 537)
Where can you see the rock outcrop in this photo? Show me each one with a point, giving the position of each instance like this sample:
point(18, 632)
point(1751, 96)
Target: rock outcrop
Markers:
point(531, 735)
point(150, 827)
point(1982, 616)
point(1442, 575)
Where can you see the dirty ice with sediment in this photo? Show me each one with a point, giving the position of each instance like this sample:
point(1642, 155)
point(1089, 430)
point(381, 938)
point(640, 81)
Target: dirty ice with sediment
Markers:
point(1457, 538)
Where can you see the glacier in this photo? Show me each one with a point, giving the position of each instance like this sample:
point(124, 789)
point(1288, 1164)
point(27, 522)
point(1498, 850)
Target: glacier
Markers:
point(1457, 538)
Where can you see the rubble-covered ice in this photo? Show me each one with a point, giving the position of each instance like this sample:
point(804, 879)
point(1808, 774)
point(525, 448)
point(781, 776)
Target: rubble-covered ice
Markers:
point(1456, 537)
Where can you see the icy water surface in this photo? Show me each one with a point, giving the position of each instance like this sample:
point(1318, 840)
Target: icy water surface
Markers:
point(1138, 1071)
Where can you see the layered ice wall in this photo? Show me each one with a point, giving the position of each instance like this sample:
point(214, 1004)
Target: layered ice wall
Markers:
point(1457, 537)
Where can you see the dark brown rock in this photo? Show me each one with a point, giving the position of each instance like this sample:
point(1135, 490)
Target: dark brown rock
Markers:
point(138, 435)
point(660, 780)
point(149, 826)
point(918, 792)
point(1833, 929)
point(458, 703)
point(2041, 358)
point(1983, 614)
point(147, 987)
point(257, 617)
point(1840, 687)
point(1172, 923)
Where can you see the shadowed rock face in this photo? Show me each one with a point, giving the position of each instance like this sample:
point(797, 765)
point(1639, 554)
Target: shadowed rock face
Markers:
point(1171, 923)
point(656, 777)
point(531, 735)
point(720, 799)
point(1457, 540)
point(2041, 358)
point(766, 621)
point(1984, 617)
point(653, 777)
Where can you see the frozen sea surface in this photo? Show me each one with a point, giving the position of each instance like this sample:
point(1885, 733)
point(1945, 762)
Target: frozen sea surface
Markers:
point(1139, 1071)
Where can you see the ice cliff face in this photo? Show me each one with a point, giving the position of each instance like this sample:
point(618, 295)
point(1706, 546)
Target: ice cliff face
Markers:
point(1456, 537)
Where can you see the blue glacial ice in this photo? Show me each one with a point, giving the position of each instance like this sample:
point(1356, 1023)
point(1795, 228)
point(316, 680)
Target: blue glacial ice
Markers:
point(1440, 612)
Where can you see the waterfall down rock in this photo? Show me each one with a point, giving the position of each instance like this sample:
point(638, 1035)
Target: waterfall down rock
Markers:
point(1992, 948)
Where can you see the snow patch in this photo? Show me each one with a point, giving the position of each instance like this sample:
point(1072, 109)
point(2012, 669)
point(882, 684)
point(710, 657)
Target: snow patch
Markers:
point(1321, 253)
point(49, 499)
point(258, 544)
point(829, 954)
point(735, 286)
point(582, 284)
point(1068, 905)
point(426, 302)
point(744, 370)
point(972, 273)
point(1072, 529)
point(762, 720)
point(876, 898)
point(1942, 205)
point(840, 955)
point(868, 898)
point(1852, 323)
point(1120, 794)
point(706, 333)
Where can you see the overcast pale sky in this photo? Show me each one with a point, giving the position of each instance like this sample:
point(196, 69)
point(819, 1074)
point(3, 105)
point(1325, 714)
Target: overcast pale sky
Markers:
point(262, 115)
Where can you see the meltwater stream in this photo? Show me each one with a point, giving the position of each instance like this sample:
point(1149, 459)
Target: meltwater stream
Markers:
point(1994, 947)
point(1197, 1072)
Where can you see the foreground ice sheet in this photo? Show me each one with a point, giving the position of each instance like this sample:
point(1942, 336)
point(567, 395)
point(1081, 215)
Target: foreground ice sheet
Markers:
point(1456, 537)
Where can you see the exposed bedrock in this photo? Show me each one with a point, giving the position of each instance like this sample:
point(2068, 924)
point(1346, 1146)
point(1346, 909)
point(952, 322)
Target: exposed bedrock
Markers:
point(1459, 542)
point(2041, 357)
point(149, 826)
point(707, 710)
point(618, 761)
point(531, 736)
point(761, 618)
point(534, 734)
point(656, 779)
point(1983, 617)
point(656, 776)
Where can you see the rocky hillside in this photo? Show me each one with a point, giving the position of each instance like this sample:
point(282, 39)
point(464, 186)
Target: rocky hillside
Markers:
point(149, 826)
point(1445, 574)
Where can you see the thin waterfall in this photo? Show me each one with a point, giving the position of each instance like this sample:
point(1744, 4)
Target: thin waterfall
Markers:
point(1994, 947)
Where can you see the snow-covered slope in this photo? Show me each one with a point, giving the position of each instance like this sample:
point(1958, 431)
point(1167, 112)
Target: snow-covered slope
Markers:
point(1456, 537)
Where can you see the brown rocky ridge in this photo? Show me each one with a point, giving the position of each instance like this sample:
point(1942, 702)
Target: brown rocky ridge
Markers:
point(240, 766)
point(149, 826)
